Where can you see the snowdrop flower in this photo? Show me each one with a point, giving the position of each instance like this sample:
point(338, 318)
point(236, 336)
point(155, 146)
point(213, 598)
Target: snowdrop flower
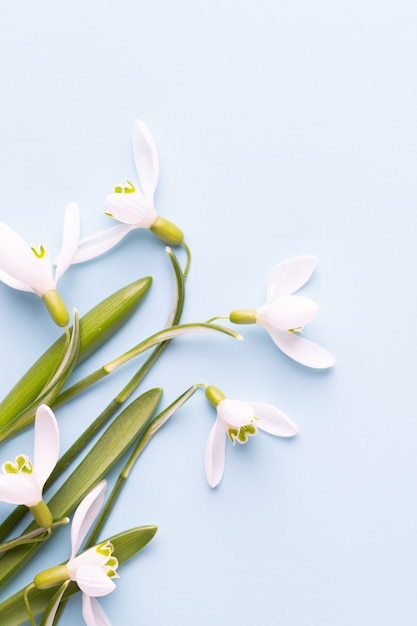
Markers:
point(22, 482)
point(239, 420)
point(132, 207)
point(284, 315)
point(92, 570)
point(28, 269)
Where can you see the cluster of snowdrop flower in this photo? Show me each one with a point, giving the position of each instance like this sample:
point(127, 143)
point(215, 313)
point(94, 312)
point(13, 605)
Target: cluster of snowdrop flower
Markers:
point(283, 315)
point(93, 570)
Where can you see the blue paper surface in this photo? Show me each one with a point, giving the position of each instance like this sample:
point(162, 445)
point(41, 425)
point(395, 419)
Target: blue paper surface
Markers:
point(282, 129)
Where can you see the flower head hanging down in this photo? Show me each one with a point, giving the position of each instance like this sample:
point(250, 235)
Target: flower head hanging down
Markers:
point(284, 315)
point(28, 269)
point(22, 482)
point(92, 570)
point(239, 420)
point(132, 207)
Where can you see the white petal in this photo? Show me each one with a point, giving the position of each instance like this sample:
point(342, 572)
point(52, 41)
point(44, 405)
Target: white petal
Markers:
point(46, 444)
point(146, 158)
point(131, 208)
point(70, 239)
point(93, 614)
point(235, 412)
point(90, 557)
point(52, 611)
point(302, 350)
point(19, 489)
point(287, 313)
point(290, 275)
point(15, 284)
point(215, 454)
point(19, 261)
point(94, 581)
point(98, 244)
point(85, 515)
point(272, 420)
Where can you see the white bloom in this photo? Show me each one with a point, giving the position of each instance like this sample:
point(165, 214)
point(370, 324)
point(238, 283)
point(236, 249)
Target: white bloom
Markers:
point(239, 420)
point(133, 207)
point(284, 315)
point(22, 482)
point(92, 570)
point(28, 269)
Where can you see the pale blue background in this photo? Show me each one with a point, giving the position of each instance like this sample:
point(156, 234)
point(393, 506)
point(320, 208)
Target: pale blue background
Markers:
point(283, 128)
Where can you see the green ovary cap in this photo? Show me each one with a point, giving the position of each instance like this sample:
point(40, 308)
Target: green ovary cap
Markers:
point(243, 316)
point(42, 514)
point(56, 307)
point(214, 395)
point(51, 577)
point(167, 231)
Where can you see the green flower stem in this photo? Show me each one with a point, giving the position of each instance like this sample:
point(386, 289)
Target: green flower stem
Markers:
point(158, 338)
point(96, 327)
point(121, 433)
point(144, 439)
point(106, 415)
point(13, 611)
point(42, 514)
point(39, 534)
point(27, 603)
point(53, 386)
point(218, 317)
point(188, 252)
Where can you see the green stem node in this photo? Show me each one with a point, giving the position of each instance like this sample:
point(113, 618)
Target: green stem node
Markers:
point(42, 514)
point(214, 395)
point(243, 316)
point(51, 577)
point(56, 307)
point(167, 231)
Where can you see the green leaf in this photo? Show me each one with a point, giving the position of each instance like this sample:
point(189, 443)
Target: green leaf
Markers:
point(52, 388)
point(126, 544)
point(96, 327)
point(108, 449)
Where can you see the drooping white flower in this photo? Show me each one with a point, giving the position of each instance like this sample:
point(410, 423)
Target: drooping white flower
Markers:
point(22, 482)
point(284, 315)
point(92, 570)
point(239, 420)
point(28, 269)
point(133, 207)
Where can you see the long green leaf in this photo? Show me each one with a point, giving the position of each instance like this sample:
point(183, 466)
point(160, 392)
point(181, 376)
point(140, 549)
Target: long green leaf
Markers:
point(96, 327)
point(126, 544)
point(52, 388)
point(108, 449)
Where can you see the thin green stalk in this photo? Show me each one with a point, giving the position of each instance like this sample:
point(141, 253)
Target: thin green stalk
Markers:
point(187, 266)
point(121, 434)
point(96, 327)
point(143, 441)
point(160, 337)
point(39, 534)
point(106, 415)
point(132, 385)
point(52, 387)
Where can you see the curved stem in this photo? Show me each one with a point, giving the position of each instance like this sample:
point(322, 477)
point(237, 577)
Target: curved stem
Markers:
point(187, 266)
point(218, 317)
point(143, 441)
point(39, 534)
point(27, 604)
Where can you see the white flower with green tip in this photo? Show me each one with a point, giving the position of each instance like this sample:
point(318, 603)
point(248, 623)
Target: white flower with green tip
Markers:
point(29, 269)
point(131, 206)
point(92, 570)
point(284, 315)
point(22, 482)
point(239, 420)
